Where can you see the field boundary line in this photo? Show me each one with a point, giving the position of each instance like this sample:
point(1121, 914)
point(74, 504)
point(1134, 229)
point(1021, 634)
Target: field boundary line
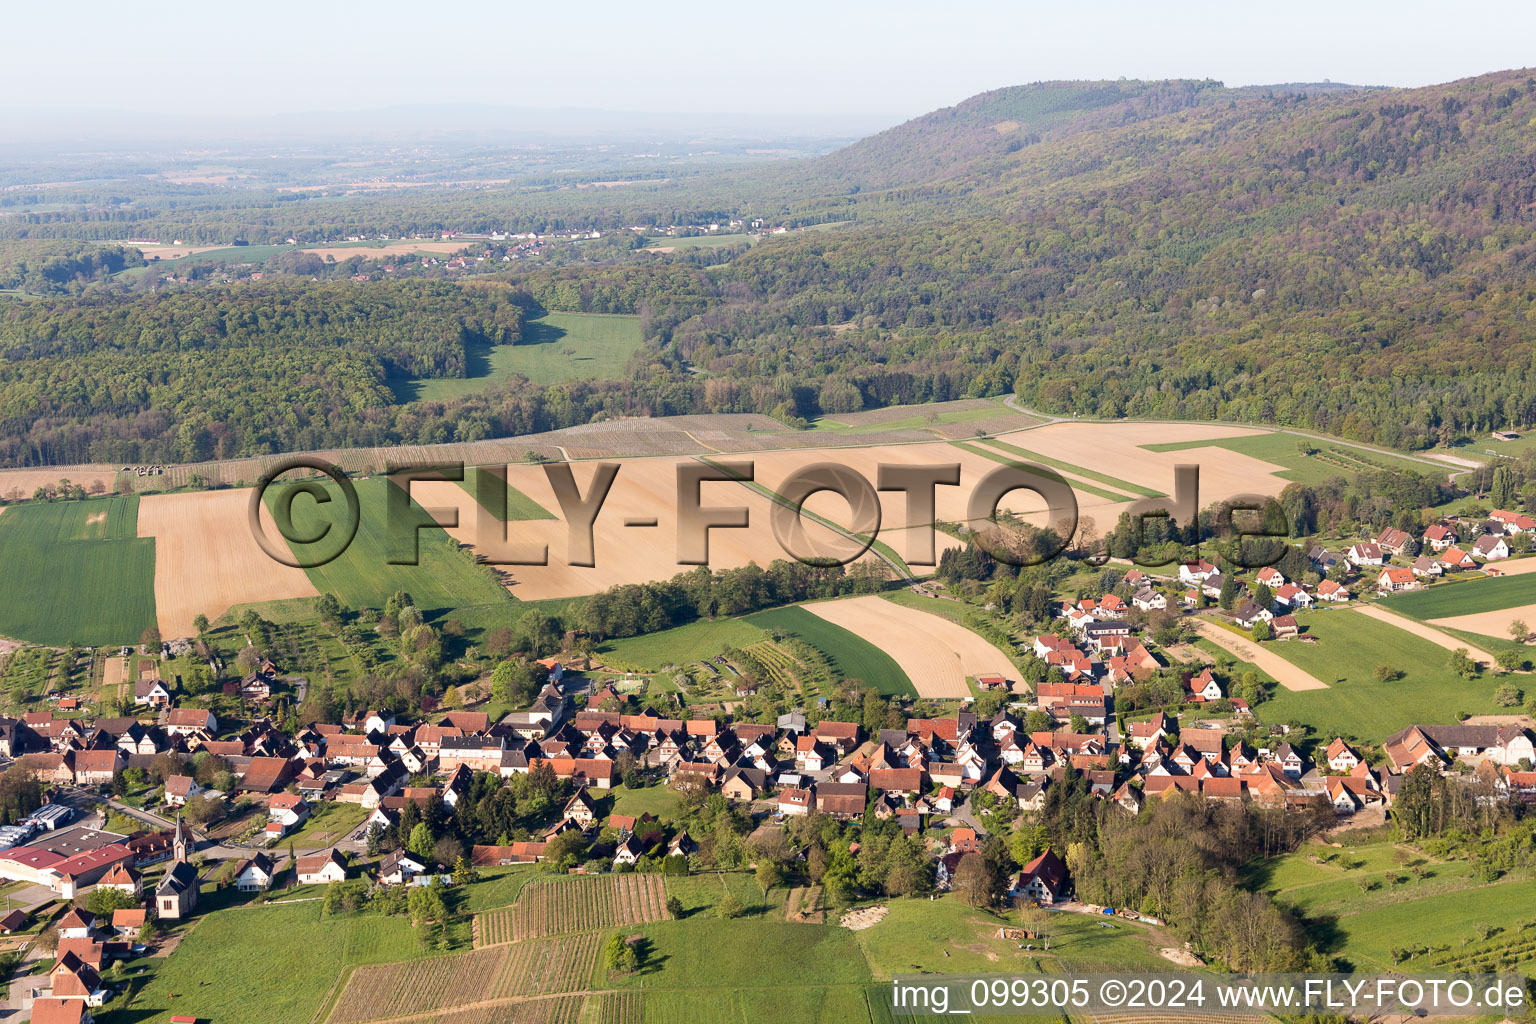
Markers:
point(1424, 631)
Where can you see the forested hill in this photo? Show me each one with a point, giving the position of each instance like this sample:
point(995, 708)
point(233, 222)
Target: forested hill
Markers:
point(1359, 262)
point(1356, 261)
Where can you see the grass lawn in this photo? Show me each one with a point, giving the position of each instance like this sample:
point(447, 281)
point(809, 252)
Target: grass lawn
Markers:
point(499, 887)
point(755, 952)
point(361, 576)
point(1281, 448)
point(520, 507)
point(921, 417)
point(329, 824)
point(851, 655)
point(1320, 880)
point(917, 933)
point(1349, 648)
point(698, 241)
point(661, 801)
point(556, 347)
point(76, 571)
point(1465, 597)
point(1366, 938)
point(681, 645)
point(224, 969)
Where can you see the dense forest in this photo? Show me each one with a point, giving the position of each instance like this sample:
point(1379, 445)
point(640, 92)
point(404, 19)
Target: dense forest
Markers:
point(222, 371)
point(1359, 262)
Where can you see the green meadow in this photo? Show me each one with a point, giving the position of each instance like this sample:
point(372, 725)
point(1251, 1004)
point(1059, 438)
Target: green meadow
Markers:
point(1283, 449)
point(76, 572)
point(1349, 648)
point(850, 654)
point(1465, 597)
point(445, 575)
point(555, 347)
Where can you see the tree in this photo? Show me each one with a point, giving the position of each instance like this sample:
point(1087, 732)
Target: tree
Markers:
point(375, 839)
point(200, 623)
point(420, 842)
point(102, 900)
point(1386, 674)
point(202, 809)
point(768, 875)
point(674, 908)
point(427, 905)
point(150, 638)
point(976, 880)
point(1462, 664)
point(332, 904)
point(464, 872)
point(1518, 631)
point(1263, 631)
point(729, 906)
point(620, 955)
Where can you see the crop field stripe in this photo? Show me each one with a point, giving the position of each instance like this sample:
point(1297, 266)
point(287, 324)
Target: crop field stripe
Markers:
point(361, 576)
point(1067, 467)
point(520, 507)
point(63, 587)
point(1444, 600)
point(1077, 485)
point(851, 655)
point(579, 905)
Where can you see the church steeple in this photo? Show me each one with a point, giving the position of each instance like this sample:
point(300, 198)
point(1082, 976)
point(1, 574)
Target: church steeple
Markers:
point(180, 840)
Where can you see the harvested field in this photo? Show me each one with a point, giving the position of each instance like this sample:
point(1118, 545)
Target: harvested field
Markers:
point(480, 985)
point(644, 489)
point(1490, 623)
point(171, 252)
point(1115, 449)
point(1515, 566)
point(16, 484)
point(207, 561)
point(1427, 632)
point(935, 653)
point(803, 905)
point(1282, 671)
point(578, 904)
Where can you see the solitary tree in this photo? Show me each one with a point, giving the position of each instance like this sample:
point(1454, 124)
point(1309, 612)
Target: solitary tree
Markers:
point(1518, 631)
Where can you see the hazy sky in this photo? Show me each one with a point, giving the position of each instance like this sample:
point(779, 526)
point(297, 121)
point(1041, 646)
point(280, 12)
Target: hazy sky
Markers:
point(891, 58)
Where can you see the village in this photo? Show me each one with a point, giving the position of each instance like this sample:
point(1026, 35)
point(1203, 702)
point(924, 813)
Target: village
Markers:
point(103, 896)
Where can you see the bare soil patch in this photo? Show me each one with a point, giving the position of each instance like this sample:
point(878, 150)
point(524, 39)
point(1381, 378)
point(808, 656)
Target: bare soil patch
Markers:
point(1495, 623)
point(206, 559)
point(935, 653)
point(866, 917)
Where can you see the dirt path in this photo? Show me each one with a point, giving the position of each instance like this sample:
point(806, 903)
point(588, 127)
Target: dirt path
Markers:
point(1286, 674)
point(1425, 632)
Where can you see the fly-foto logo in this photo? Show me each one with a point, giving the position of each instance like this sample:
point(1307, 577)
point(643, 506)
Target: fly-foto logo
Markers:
point(335, 514)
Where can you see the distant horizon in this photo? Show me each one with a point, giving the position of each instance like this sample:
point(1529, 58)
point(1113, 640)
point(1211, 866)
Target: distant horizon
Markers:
point(860, 60)
point(36, 126)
